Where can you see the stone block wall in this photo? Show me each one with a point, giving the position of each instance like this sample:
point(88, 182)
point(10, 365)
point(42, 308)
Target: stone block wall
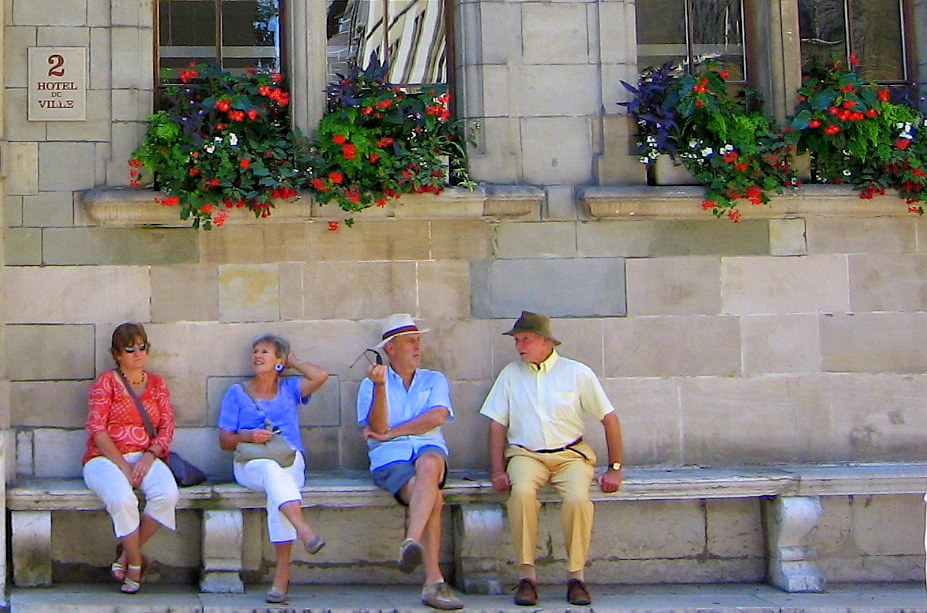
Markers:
point(793, 339)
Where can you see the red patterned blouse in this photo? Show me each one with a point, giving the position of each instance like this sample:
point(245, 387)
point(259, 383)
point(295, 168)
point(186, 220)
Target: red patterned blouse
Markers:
point(112, 410)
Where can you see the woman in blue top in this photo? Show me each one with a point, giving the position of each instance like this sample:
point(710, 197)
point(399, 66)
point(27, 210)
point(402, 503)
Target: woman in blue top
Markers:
point(246, 410)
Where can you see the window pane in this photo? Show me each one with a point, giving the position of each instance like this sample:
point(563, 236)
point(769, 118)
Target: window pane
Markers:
point(875, 38)
point(718, 35)
point(413, 44)
point(822, 27)
point(250, 31)
point(250, 34)
point(186, 32)
point(661, 33)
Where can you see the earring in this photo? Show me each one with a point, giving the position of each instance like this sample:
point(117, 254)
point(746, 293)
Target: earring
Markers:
point(279, 367)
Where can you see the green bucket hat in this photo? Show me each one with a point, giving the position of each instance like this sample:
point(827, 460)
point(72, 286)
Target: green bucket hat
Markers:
point(533, 322)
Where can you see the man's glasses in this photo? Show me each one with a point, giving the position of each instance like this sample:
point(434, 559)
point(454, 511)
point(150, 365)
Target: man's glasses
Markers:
point(139, 347)
point(367, 353)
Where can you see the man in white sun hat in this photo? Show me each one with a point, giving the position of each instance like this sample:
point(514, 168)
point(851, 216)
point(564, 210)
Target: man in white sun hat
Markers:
point(402, 408)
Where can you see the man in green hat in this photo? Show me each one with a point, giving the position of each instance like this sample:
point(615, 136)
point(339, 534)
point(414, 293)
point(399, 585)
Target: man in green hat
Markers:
point(536, 409)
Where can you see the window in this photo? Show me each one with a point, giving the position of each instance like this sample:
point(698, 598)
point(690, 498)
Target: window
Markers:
point(691, 32)
point(872, 30)
point(236, 34)
point(408, 35)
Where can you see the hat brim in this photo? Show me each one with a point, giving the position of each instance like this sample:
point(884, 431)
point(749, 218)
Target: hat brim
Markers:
point(551, 338)
point(382, 343)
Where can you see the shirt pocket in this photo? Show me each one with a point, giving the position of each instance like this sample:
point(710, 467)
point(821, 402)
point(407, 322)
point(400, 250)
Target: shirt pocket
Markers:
point(564, 405)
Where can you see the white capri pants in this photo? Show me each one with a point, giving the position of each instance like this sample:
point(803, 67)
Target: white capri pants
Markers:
point(281, 486)
point(105, 479)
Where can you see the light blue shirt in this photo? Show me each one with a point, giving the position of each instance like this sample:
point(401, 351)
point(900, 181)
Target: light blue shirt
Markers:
point(238, 411)
point(429, 389)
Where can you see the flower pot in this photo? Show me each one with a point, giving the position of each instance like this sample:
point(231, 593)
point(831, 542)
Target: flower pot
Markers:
point(665, 171)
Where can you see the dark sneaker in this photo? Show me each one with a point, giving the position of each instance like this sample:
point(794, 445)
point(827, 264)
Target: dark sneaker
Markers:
point(526, 593)
point(440, 596)
point(410, 555)
point(577, 593)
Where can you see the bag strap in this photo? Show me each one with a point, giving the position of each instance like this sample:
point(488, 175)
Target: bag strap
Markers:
point(149, 428)
point(269, 425)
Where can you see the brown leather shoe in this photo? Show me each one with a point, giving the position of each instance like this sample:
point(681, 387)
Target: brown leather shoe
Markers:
point(577, 593)
point(526, 593)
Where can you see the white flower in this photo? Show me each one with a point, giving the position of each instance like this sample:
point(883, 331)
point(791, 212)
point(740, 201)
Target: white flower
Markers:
point(210, 148)
point(727, 149)
point(847, 173)
point(707, 151)
point(644, 159)
point(233, 139)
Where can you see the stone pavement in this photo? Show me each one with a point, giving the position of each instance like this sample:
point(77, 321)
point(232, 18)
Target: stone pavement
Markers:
point(718, 598)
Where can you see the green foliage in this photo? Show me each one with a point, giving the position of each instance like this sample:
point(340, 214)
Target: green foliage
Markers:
point(222, 141)
point(856, 134)
point(378, 141)
point(729, 146)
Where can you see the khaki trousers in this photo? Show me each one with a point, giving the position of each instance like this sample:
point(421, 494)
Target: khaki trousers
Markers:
point(571, 475)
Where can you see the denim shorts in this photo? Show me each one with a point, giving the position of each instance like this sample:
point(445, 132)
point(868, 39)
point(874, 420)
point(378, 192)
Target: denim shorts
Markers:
point(393, 477)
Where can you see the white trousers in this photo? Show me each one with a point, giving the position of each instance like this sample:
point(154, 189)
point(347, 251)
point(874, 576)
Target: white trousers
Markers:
point(105, 479)
point(281, 486)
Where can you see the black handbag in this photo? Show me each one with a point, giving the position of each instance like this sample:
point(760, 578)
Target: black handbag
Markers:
point(185, 473)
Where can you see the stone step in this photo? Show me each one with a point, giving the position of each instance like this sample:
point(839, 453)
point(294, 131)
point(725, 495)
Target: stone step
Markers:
point(717, 598)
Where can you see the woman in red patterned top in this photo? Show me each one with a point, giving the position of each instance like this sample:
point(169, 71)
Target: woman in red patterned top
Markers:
point(121, 456)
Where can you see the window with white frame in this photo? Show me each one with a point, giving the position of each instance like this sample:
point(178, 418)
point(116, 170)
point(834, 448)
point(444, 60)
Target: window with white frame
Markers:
point(409, 36)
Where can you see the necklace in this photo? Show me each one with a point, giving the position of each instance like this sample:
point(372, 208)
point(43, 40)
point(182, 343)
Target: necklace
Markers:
point(134, 383)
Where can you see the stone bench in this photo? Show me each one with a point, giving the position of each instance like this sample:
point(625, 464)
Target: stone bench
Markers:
point(790, 493)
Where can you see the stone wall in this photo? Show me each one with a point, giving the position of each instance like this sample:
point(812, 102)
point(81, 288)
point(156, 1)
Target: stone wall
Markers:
point(794, 339)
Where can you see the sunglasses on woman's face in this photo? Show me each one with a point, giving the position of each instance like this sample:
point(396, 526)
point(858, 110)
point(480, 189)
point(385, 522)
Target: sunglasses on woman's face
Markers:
point(140, 347)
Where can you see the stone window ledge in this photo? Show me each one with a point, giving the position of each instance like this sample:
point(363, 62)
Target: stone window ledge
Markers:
point(644, 202)
point(132, 207)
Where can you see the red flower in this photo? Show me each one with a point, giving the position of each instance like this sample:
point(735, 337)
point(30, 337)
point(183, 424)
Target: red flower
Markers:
point(741, 166)
point(223, 105)
point(349, 151)
point(207, 208)
point(384, 104)
point(339, 139)
point(381, 202)
point(336, 177)
point(831, 129)
point(373, 157)
point(244, 163)
point(194, 171)
point(902, 143)
point(221, 126)
point(833, 110)
point(134, 183)
point(318, 184)
point(814, 123)
point(754, 192)
point(848, 88)
point(252, 114)
point(133, 173)
point(848, 104)
point(699, 103)
point(885, 94)
point(854, 61)
point(188, 75)
point(213, 182)
point(707, 204)
point(724, 74)
point(872, 113)
point(170, 201)
point(734, 215)
point(237, 115)
point(367, 110)
point(135, 163)
point(276, 77)
point(385, 142)
point(332, 226)
point(220, 218)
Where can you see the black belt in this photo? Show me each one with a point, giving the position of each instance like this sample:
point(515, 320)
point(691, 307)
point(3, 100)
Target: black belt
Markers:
point(564, 448)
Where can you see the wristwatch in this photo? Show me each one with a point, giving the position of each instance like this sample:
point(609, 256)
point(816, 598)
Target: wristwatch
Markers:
point(615, 466)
